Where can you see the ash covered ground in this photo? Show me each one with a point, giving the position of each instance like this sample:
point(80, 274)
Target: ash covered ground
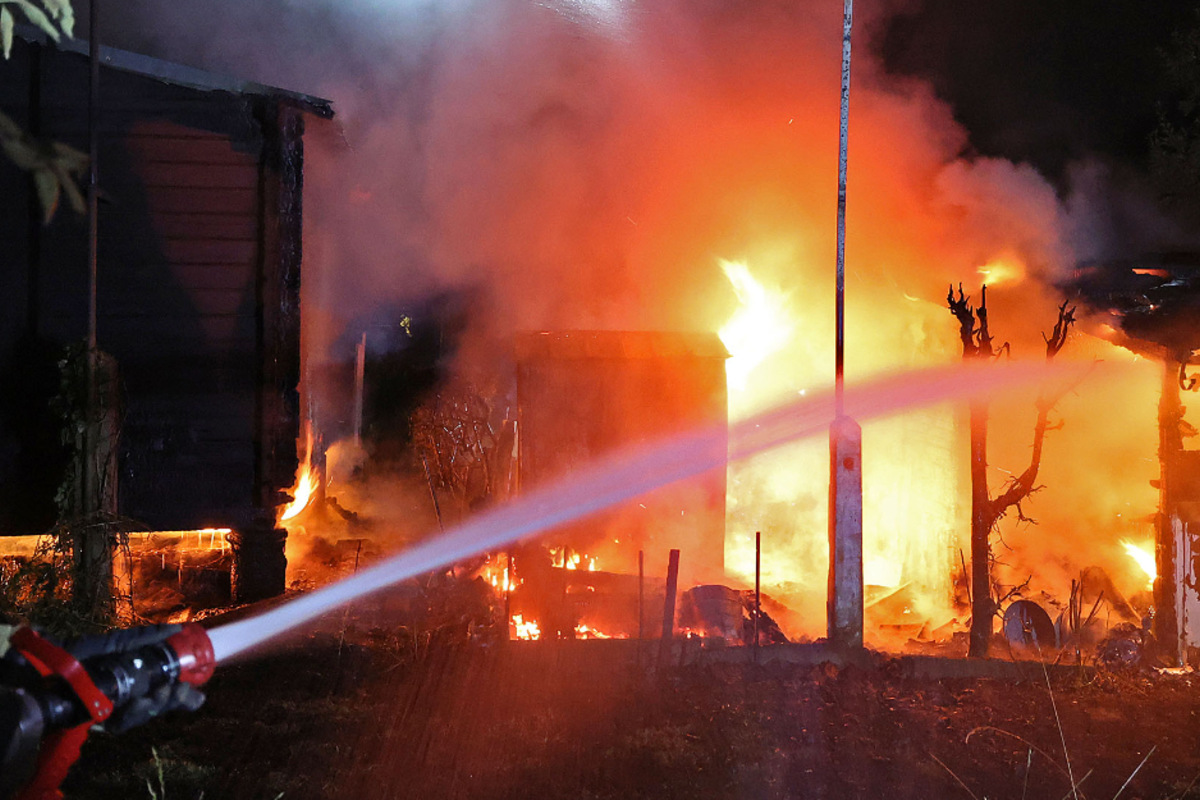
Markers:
point(378, 712)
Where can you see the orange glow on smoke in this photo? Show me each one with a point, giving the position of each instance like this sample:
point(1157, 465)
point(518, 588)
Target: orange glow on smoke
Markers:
point(666, 168)
point(1001, 271)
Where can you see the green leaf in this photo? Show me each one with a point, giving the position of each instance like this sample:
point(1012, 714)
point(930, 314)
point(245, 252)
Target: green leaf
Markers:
point(71, 159)
point(54, 7)
point(19, 149)
point(62, 11)
point(47, 189)
point(6, 31)
point(74, 197)
point(68, 22)
point(39, 18)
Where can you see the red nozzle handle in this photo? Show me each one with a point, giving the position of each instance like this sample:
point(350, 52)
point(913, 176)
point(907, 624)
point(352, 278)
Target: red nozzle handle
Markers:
point(194, 650)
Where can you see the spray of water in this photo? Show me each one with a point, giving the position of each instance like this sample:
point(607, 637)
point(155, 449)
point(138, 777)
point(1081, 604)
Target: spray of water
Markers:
point(631, 473)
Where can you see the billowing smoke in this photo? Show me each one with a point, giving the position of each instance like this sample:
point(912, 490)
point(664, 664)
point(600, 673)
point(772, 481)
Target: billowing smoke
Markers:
point(584, 163)
point(574, 164)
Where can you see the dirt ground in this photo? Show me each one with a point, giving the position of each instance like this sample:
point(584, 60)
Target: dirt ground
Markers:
point(367, 716)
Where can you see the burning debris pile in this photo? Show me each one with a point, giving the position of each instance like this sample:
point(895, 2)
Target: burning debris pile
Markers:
point(164, 576)
point(1150, 306)
point(576, 395)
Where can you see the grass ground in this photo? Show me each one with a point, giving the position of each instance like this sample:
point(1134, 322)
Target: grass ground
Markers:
point(330, 718)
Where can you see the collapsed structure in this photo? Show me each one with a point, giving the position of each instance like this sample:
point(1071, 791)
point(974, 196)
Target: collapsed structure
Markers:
point(1154, 308)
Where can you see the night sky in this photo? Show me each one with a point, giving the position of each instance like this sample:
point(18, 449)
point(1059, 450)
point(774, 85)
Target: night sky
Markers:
point(1043, 82)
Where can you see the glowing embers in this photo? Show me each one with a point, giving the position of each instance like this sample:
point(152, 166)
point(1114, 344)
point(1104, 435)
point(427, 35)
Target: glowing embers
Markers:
point(1144, 558)
point(172, 574)
point(565, 558)
point(559, 593)
point(527, 630)
point(759, 328)
point(583, 631)
point(198, 539)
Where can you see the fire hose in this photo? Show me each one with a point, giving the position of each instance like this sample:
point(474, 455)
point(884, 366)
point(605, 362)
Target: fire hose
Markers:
point(52, 695)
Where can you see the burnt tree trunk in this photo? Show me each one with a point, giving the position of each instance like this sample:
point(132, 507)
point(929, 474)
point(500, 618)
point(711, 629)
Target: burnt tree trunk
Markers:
point(986, 512)
point(93, 509)
point(977, 345)
point(982, 521)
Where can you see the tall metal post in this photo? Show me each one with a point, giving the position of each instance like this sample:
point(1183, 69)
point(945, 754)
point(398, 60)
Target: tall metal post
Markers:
point(844, 603)
point(757, 587)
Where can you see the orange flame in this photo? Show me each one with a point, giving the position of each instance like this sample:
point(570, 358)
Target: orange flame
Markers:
point(1143, 557)
point(909, 528)
point(306, 481)
point(306, 485)
point(499, 577)
point(757, 330)
point(576, 560)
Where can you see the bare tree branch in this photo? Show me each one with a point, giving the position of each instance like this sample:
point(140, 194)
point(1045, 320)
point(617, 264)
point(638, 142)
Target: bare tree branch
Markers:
point(986, 511)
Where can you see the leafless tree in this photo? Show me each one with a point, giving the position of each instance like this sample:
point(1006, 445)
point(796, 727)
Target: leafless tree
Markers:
point(987, 511)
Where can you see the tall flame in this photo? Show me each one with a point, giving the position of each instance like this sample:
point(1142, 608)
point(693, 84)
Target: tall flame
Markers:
point(911, 479)
point(757, 330)
point(306, 483)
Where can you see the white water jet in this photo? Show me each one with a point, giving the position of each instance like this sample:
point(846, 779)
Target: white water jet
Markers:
point(630, 473)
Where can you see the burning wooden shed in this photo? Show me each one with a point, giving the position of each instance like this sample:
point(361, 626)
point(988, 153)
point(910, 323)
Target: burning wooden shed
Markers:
point(585, 394)
point(198, 294)
point(1154, 305)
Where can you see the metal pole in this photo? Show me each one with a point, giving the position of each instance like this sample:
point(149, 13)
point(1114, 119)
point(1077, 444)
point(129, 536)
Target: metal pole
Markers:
point(757, 587)
point(843, 146)
point(844, 602)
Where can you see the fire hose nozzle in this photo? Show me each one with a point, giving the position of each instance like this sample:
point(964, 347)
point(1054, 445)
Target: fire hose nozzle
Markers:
point(194, 649)
point(121, 679)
